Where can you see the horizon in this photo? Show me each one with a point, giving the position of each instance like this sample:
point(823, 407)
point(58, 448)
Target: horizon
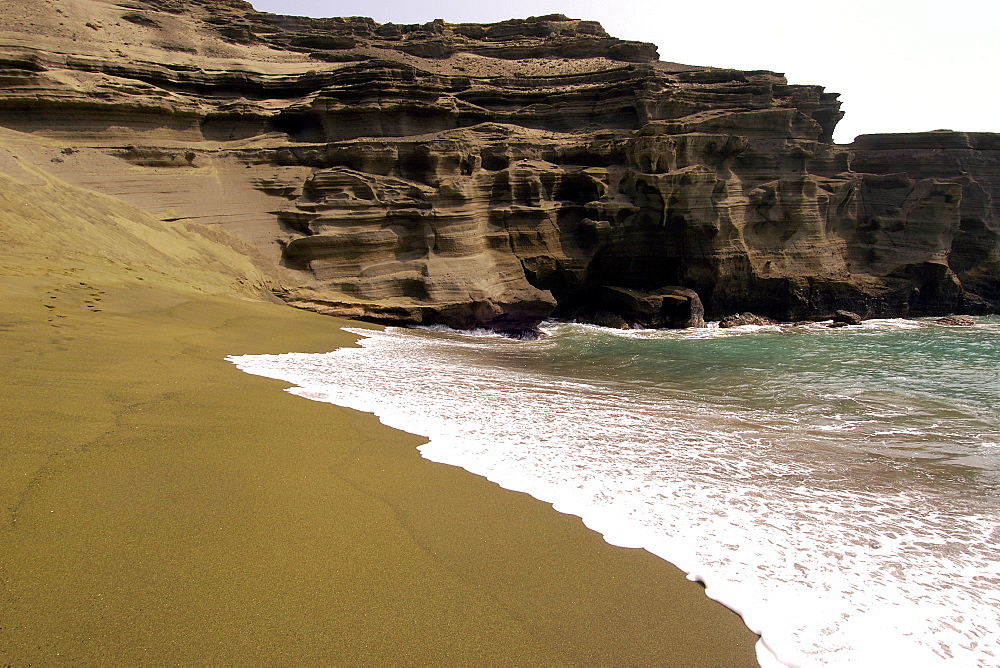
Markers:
point(891, 49)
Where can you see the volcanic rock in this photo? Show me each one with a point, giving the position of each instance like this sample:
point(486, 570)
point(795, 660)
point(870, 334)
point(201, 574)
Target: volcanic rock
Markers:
point(669, 307)
point(494, 175)
point(598, 316)
point(956, 321)
point(741, 319)
point(847, 317)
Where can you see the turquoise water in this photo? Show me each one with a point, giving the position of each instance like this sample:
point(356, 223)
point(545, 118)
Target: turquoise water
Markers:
point(836, 487)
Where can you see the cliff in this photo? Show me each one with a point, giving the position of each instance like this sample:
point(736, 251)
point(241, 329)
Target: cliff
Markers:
point(494, 175)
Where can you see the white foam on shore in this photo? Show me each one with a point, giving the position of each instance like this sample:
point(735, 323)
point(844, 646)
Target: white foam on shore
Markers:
point(819, 550)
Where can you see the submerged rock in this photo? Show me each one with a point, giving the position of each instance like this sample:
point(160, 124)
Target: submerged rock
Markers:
point(601, 318)
point(957, 321)
point(741, 319)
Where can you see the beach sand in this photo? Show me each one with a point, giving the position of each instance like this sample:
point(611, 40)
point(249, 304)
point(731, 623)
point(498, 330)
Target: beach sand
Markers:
point(160, 506)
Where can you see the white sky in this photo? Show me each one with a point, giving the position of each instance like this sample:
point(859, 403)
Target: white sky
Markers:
point(899, 65)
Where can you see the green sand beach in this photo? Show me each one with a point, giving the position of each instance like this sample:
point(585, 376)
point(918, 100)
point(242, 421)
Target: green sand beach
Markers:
point(162, 507)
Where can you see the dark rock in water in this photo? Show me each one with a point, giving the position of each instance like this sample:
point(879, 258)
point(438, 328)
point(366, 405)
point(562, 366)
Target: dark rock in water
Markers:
point(603, 318)
point(490, 175)
point(956, 321)
point(838, 323)
point(973, 304)
point(740, 319)
point(591, 315)
point(670, 307)
point(847, 317)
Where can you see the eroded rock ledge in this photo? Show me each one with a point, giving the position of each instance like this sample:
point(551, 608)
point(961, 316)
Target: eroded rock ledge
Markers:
point(496, 175)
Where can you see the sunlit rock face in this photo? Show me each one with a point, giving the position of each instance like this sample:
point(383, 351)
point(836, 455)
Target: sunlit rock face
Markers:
point(496, 175)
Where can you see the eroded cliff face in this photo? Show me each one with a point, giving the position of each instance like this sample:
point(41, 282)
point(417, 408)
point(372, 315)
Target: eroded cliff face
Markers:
point(494, 175)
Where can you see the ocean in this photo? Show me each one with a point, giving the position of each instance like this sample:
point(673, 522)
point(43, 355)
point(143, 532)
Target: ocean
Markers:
point(838, 488)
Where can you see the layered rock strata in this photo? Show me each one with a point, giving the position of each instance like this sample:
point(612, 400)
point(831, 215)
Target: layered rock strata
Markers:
point(495, 175)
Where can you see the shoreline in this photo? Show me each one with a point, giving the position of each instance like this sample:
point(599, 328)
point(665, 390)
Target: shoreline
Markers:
point(488, 404)
point(164, 506)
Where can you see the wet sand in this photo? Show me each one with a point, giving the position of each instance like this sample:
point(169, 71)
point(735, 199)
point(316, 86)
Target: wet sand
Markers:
point(161, 506)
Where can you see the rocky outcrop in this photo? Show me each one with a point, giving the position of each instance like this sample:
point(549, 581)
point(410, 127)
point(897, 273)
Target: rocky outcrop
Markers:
point(670, 307)
point(955, 263)
point(847, 318)
point(495, 175)
point(956, 321)
point(744, 319)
